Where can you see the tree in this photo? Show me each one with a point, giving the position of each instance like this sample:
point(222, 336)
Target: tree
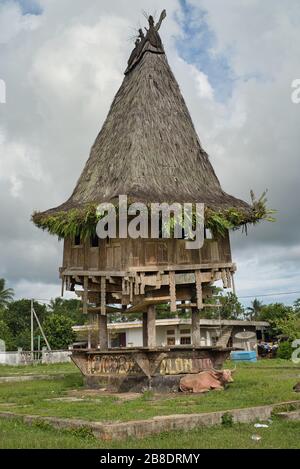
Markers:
point(253, 311)
point(6, 335)
point(17, 317)
point(68, 308)
point(273, 313)
point(285, 350)
point(6, 294)
point(297, 306)
point(59, 332)
point(289, 326)
point(230, 308)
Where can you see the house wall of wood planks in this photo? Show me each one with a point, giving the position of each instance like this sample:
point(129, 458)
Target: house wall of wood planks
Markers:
point(123, 254)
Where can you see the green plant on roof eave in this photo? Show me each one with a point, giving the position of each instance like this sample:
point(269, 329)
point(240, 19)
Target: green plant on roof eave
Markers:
point(82, 221)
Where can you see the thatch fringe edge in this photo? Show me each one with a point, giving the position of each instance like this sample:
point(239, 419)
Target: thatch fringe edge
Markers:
point(82, 221)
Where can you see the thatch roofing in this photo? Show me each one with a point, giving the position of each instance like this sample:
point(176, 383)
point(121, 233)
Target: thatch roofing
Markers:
point(148, 148)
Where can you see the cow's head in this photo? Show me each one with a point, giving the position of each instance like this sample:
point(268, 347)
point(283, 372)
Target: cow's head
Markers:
point(225, 376)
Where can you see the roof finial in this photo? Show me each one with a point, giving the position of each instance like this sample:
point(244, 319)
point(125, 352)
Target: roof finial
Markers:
point(163, 15)
point(151, 41)
point(156, 26)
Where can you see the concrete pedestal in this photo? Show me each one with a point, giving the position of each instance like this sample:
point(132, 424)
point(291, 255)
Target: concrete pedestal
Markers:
point(124, 370)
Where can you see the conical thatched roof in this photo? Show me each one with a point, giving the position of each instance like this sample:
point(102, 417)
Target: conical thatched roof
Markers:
point(148, 148)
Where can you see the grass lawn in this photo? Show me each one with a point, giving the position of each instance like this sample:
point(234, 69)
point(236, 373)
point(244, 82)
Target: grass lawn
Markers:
point(267, 382)
point(254, 385)
point(6, 370)
point(14, 434)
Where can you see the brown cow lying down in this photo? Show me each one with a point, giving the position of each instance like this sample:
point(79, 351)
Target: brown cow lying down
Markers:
point(206, 380)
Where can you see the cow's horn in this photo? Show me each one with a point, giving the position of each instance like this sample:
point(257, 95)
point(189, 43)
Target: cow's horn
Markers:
point(216, 371)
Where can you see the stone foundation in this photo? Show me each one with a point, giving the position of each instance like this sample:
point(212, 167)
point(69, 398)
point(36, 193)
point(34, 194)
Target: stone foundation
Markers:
point(135, 370)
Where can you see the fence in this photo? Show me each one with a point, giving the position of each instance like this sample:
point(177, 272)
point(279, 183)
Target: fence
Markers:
point(28, 358)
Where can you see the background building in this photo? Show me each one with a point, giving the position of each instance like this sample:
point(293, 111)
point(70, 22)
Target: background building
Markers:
point(178, 332)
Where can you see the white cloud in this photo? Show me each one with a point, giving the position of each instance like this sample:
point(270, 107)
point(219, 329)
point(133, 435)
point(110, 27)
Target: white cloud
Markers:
point(78, 62)
point(204, 89)
point(40, 291)
point(13, 22)
point(19, 161)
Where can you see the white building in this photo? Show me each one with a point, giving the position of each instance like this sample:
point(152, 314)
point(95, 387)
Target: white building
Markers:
point(176, 331)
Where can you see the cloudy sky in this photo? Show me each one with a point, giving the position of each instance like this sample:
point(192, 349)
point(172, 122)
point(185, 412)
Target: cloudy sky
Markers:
point(62, 62)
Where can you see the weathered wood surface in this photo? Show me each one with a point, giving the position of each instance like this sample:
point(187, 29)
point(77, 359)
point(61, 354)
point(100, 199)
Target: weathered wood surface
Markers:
point(103, 332)
point(151, 326)
point(121, 255)
point(196, 335)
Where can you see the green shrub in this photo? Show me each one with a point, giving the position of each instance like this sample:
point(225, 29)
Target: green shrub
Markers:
point(227, 419)
point(285, 350)
point(82, 432)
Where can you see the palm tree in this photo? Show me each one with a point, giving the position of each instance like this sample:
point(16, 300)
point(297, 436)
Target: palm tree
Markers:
point(255, 309)
point(297, 306)
point(6, 294)
point(56, 303)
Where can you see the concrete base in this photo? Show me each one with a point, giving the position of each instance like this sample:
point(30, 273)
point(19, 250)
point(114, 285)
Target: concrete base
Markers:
point(135, 370)
point(137, 384)
point(294, 415)
point(141, 428)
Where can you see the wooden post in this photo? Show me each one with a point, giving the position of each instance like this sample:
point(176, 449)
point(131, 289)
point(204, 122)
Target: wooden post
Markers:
point(145, 330)
point(172, 280)
point(151, 326)
point(196, 337)
point(198, 280)
point(31, 328)
point(233, 283)
point(85, 294)
point(41, 329)
point(103, 333)
point(224, 278)
point(89, 332)
point(103, 295)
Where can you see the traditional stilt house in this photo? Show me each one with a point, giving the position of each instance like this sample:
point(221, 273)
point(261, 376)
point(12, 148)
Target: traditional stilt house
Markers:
point(148, 150)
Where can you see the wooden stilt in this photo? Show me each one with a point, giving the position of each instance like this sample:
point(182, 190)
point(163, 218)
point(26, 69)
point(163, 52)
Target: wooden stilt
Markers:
point(228, 275)
point(103, 295)
point(145, 330)
point(90, 331)
point(151, 326)
point(172, 292)
point(196, 337)
point(224, 278)
point(103, 333)
point(233, 283)
point(199, 289)
point(85, 294)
